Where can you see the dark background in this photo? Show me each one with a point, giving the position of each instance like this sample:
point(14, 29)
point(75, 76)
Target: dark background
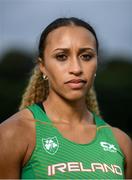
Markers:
point(113, 85)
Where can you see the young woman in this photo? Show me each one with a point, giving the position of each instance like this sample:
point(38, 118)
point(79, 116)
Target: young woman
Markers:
point(58, 132)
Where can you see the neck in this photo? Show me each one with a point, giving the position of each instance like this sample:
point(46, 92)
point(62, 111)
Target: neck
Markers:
point(59, 109)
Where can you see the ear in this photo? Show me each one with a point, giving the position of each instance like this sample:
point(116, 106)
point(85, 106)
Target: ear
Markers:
point(41, 65)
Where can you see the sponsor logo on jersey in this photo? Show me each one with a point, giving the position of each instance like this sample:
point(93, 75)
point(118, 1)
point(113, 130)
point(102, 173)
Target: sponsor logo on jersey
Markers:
point(50, 145)
point(78, 166)
point(108, 147)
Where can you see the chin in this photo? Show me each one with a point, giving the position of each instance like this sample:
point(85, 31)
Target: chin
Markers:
point(76, 96)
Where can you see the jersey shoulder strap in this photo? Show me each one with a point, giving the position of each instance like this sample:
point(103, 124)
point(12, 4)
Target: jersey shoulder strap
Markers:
point(99, 121)
point(105, 132)
point(38, 113)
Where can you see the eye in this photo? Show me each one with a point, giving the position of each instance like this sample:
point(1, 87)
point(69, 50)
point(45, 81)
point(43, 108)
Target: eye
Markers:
point(61, 57)
point(86, 57)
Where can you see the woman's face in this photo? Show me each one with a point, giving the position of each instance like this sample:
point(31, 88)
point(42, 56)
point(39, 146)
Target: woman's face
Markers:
point(70, 61)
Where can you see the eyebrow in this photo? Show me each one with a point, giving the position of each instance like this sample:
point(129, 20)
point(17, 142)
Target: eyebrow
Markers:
point(80, 50)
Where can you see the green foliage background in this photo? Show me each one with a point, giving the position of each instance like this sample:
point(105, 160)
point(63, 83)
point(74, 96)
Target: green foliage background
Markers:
point(113, 85)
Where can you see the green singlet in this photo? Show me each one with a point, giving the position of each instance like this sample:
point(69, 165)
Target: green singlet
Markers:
point(56, 157)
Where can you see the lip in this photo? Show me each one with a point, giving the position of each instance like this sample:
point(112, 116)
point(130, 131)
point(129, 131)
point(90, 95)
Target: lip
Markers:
point(76, 83)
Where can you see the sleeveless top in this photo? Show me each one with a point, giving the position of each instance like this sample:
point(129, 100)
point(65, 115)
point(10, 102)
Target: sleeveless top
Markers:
point(55, 157)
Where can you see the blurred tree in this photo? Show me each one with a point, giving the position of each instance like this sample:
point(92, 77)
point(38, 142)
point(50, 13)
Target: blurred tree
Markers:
point(15, 64)
point(114, 87)
point(15, 68)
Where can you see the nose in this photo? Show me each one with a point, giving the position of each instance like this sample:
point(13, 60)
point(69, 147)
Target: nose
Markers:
point(75, 67)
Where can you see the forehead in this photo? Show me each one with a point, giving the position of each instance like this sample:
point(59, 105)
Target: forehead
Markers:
point(70, 35)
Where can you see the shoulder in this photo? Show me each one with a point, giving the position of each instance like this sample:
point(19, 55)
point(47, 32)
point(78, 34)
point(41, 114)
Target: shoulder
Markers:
point(125, 144)
point(15, 135)
point(122, 138)
point(16, 124)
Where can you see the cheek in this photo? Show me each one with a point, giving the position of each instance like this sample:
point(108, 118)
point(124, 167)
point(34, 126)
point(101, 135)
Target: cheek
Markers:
point(91, 68)
point(54, 73)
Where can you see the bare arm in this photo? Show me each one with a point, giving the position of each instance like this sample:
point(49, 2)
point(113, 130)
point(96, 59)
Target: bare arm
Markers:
point(13, 146)
point(126, 146)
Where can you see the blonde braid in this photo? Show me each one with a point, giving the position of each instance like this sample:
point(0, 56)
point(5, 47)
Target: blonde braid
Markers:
point(36, 91)
point(91, 101)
